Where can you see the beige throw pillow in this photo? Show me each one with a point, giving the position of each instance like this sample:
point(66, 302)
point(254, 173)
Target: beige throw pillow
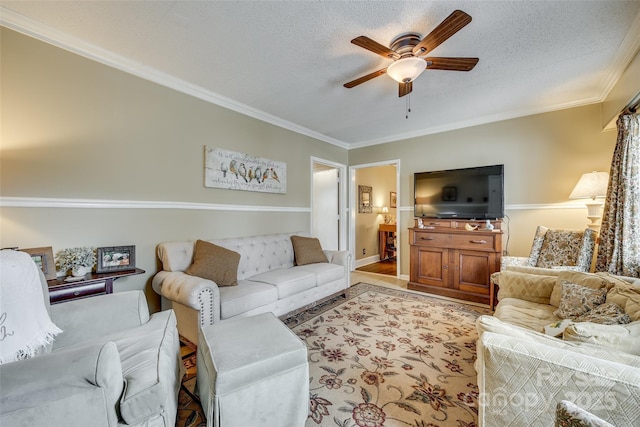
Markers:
point(307, 250)
point(215, 263)
point(626, 296)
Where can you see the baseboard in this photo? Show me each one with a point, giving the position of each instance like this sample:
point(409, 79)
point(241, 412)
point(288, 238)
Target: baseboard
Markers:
point(368, 260)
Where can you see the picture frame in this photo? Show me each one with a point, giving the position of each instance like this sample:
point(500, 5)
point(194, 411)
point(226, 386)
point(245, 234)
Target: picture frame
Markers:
point(43, 257)
point(116, 258)
point(364, 199)
point(449, 194)
point(393, 199)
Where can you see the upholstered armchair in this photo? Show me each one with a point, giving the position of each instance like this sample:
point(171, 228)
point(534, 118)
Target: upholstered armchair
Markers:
point(112, 364)
point(559, 249)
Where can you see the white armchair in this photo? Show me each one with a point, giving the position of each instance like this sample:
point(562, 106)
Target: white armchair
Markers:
point(113, 364)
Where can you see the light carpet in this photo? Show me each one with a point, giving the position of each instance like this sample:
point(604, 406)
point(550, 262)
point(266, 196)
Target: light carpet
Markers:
point(382, 357)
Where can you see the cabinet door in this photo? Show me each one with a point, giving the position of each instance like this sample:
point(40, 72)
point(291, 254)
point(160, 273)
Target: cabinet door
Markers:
point(472, 271)
point(430, 266)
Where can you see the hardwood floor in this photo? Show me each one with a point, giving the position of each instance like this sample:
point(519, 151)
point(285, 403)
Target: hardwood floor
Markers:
point(384, 267)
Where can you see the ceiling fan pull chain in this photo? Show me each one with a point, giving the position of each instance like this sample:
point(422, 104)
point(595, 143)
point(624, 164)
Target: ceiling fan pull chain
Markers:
point(408, 106)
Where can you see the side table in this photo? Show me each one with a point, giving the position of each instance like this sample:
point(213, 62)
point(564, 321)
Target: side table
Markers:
point(90, 285)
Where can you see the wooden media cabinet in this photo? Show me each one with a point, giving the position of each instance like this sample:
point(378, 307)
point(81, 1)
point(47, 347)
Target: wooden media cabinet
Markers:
point(449, 260)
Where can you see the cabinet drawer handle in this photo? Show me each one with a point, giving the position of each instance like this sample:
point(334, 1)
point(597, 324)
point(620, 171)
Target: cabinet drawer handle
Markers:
point(480, 242)
point(76, 293)
point(434, 223)
point(427, 238)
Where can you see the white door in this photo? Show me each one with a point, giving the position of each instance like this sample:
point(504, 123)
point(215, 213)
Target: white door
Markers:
point(329, 203)
point(326, 208)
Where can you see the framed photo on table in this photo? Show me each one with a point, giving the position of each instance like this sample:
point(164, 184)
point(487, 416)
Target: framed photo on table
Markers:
point(43, 257)
point(116, 258)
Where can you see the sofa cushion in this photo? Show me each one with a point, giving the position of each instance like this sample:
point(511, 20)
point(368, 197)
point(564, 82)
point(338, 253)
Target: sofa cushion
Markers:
point(149, 361)
point(526, 314)
point(288, 281)
point(490, 324)
point(590, 280)
point(626, 296)
point(307, 250)
point(620, 337)
point(578, 300)
point(605, 314)
point(324, 272)
point(214, 263)
point(529, 287)
point(235, 300)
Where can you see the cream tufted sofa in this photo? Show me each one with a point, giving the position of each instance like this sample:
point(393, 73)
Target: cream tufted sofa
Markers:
point(523, 373)
point(268, 281)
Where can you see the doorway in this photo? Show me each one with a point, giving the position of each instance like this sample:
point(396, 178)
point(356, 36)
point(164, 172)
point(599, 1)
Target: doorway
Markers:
point(328, 203)
point(374, 230)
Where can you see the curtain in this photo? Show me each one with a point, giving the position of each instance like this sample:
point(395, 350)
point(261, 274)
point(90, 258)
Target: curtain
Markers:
point(619, 250)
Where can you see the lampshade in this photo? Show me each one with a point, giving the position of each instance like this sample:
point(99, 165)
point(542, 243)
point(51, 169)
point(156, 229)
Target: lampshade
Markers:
point(385, 210)
point(591, 185)
point(406, 70)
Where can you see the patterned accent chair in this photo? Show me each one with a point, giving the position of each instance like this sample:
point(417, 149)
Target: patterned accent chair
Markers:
point(559, 249)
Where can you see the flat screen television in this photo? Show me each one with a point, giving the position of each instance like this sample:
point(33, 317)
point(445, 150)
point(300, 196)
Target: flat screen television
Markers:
point(470, 193)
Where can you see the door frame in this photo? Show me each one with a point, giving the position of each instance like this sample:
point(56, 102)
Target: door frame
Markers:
point(342, 198)
point(353, 209)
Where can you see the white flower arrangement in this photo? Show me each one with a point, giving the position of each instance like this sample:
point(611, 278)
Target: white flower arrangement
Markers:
point(70, 258)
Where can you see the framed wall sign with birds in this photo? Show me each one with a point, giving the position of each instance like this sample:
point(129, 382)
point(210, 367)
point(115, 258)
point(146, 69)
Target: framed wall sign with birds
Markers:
point(239, 171)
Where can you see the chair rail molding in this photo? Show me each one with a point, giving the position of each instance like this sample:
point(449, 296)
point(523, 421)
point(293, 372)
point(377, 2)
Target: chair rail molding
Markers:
point(43, 202)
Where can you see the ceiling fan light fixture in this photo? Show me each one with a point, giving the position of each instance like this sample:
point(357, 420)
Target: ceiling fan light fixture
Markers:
point(406, 70)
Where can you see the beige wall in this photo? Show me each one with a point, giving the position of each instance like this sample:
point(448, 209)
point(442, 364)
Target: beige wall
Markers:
point(544, 156)
point(75, 129)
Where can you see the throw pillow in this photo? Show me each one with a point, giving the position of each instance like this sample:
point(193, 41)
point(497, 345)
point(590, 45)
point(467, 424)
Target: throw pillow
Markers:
point(624, 338)
point(577, 300)
point(215, 263)
point(605, 314)
point(307, 250)
point(626, 296)
point(568, 414)
point(589, 280)
point(529, 287)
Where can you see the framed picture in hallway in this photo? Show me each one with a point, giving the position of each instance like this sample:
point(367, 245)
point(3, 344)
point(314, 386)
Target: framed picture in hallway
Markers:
point(393, 199)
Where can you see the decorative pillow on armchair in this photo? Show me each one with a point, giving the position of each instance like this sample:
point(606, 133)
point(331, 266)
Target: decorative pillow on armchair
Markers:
point(578, 300)
point(307, 250)
point(215, 263)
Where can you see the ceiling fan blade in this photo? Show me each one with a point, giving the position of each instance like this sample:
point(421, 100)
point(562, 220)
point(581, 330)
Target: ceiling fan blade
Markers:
point(451, 64)
point(404, 89)
point(451, 25)
point(366, 78)
point(375, 47)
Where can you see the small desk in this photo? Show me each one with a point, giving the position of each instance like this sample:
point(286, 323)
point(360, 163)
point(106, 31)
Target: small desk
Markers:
point(90, 285)
point(386, 236)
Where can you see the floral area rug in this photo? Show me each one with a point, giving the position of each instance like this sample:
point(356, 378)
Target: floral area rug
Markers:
point(378, 357)
point(384, 358)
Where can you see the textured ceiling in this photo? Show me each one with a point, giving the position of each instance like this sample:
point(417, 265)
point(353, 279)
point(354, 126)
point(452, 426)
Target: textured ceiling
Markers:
point(285, 61)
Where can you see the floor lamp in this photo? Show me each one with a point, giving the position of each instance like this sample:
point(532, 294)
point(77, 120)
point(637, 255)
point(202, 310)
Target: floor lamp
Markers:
point(592, 185)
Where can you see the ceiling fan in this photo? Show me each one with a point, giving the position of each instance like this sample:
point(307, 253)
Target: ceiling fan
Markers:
point(407, 52)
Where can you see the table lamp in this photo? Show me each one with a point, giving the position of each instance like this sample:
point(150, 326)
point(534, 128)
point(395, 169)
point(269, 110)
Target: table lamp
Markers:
point(592, 185)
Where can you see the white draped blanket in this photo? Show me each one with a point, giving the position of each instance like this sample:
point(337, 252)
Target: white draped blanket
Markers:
point(25, 326)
